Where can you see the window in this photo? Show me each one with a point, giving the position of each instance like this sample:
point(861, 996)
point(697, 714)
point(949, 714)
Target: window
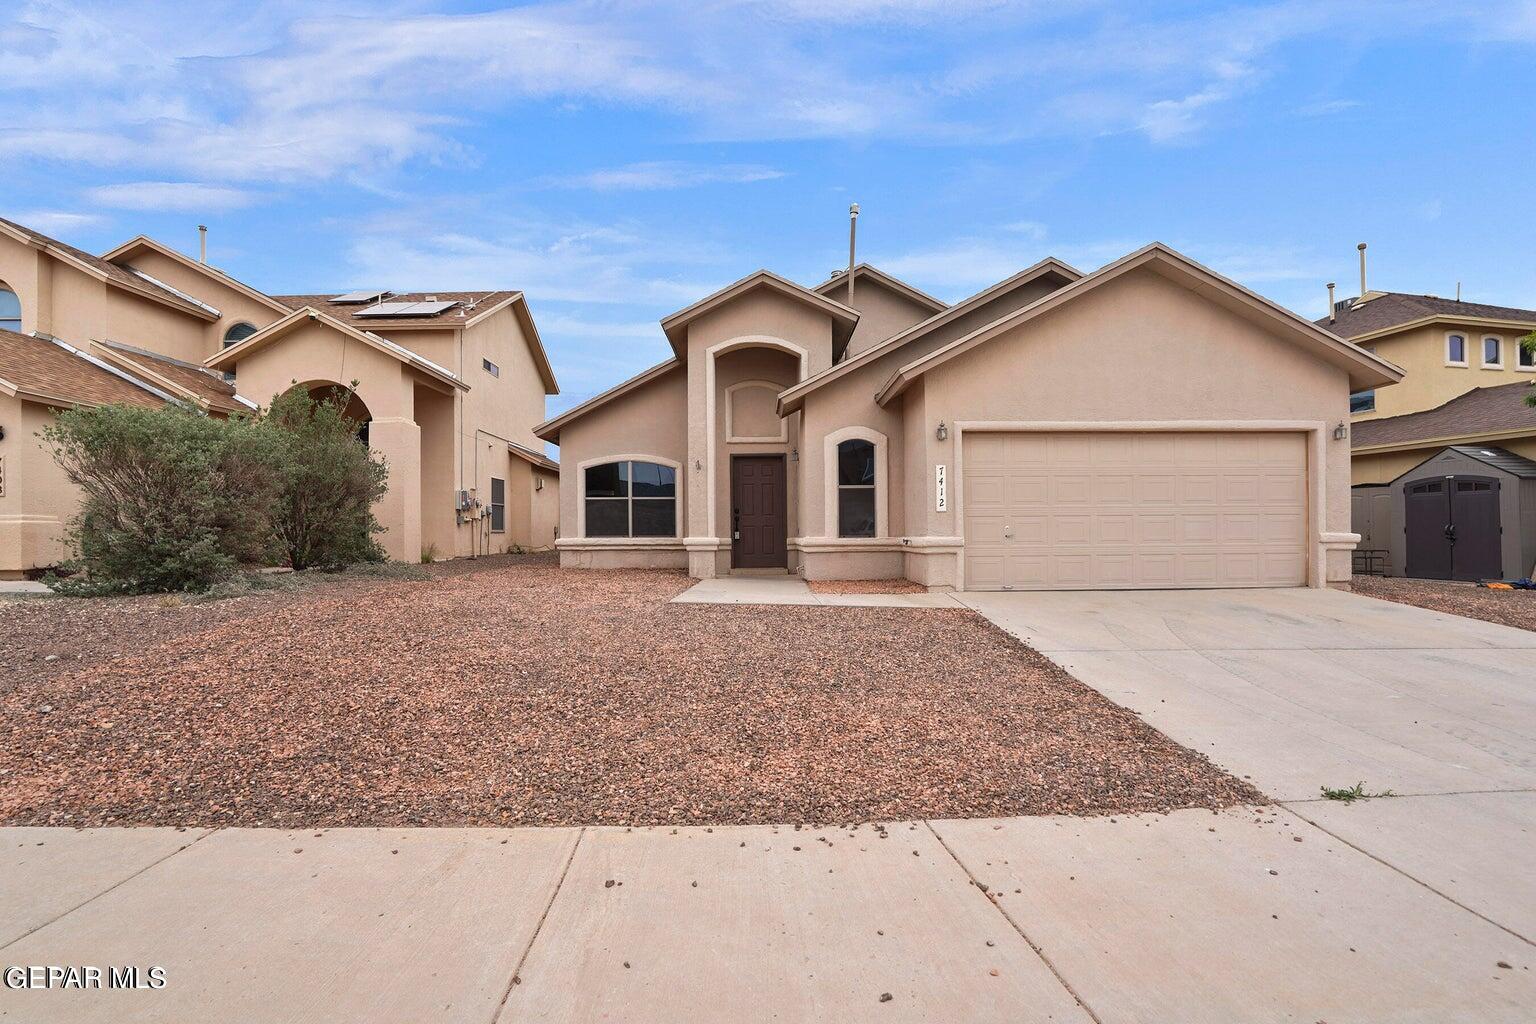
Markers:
point(856, 488)
point(238, 333)
point(1362, 401)
point(1525, 352)
point(631, 499)
point(490, 368)
point(498, 505)
point(10, 310)
point(1456, 349)
point(1493, 352)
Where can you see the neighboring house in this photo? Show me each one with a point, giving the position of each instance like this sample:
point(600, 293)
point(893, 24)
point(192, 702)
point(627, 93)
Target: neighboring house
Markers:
point(449, 384)
point(1148, 425)
point(1445, 347)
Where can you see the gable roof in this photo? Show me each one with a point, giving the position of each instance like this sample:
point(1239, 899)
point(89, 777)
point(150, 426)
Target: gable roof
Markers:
point(51, 371)
point(895, 284)
point(1498, 458)
point(123, 278)
point(187, 381)
point(844, 318)
point(794, 397)
point(549, 430)
point(1365, 369)
point(538, 459)
point(1480, 412)
point(299, 317)
point(1388, 312)
point(124, 254)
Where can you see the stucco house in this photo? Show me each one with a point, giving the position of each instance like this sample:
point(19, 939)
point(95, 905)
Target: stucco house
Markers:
point(449, 384)
point(1148, 425)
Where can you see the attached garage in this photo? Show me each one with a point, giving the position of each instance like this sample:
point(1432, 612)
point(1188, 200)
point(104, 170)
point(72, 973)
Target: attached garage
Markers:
point(1099, 510)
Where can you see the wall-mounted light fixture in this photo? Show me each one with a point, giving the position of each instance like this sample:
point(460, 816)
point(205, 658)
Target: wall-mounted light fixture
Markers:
point(794, 455)
point(1340, 432)
point(942, 433)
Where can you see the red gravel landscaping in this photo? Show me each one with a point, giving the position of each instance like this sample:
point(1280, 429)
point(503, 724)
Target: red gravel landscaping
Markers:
point(1506, 607)
point(511, 692)
point(865, 587)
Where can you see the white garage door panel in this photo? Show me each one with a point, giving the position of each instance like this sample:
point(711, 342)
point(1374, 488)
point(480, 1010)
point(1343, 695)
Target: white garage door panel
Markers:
point(1127, 510)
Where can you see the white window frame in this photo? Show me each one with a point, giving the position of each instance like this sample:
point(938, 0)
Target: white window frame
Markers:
point(1482, 351)
point(882, 479)
point(581, 495)
point(1465, 354)
point(20, 316)
point(1520, 353)
point(224, 341)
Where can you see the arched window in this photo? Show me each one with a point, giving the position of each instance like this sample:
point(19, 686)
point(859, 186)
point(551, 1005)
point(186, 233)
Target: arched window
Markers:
point(10, 310)
point(856, 488)
point(630, 499)
point(238, 333)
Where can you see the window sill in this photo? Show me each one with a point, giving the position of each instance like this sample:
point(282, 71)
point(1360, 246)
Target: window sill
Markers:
point(1461, 366)
point(1491, 366)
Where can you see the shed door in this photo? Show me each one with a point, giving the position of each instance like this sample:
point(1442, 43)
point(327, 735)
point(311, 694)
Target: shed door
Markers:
point(1476, 553)
point(1121, 510)
point(1427, 529)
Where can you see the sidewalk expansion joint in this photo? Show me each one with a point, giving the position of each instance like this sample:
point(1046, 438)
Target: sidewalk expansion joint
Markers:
point(517, 971)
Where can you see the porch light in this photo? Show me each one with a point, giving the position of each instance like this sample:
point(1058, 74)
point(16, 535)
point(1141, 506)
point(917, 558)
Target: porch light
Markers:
point(943, 432)
point(794, 455)
point(1340, 432)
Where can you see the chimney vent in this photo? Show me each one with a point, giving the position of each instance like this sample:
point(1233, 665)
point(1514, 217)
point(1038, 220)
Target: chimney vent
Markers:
point(1361, 247)
point(1330, 301)
point(202, 243)
point(853, 224)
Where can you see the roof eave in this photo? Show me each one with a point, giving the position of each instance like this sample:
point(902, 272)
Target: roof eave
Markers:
point(675, 325)
point(1439, 318)
point(550, 429)
point(141, 242)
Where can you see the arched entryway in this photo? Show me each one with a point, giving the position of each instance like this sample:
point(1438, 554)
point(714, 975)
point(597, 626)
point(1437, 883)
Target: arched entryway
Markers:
point(355, 409)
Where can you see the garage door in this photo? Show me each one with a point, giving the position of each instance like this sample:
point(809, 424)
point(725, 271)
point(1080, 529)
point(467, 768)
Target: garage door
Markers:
point(1119, 510)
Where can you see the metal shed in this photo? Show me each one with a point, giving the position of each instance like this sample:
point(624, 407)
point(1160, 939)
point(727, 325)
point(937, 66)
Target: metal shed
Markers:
point(1468, 512)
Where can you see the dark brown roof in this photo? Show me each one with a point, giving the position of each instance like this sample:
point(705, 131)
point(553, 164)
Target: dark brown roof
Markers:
point(1479, 411)
point(42, 369)
point(1353, 318)
point(120, 275)
point(208, 386)
point(347, 313)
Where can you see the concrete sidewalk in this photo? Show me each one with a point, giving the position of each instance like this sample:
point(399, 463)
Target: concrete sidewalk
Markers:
point(1189, 917)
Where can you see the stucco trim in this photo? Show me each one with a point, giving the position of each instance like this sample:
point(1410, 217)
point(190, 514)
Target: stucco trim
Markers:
point(1525, 326)
point(1466, 349)
point(1444, 442)
point(1365, 369)
point(829, 496)
point(844, 318)
point(852, 543)
point(599, 460)
point(730, 414)
point(1317, 468)
point(619, 544)
point(711, 356)
point(549, 430)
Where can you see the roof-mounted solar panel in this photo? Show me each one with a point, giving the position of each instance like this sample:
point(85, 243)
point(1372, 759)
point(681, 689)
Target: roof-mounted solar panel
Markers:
point(359, 298)
point(406, 309)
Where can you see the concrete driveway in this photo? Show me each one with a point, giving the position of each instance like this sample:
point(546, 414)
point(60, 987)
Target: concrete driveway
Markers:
point(1299, 689)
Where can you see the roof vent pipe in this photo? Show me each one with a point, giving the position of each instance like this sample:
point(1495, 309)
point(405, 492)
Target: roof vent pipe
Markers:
point(853, 225)
point(1458, 291)
point(1361, 247)
point(1330, 301)
point(202, 243)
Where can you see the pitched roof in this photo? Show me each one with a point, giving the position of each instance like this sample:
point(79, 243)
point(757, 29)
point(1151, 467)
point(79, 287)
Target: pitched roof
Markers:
point(124, 254)
point(843, 317)
point(191, 381)
point(538, 459)
point(1365, 369)
point(469, 304)
point(111, 273)
point(895, 284)
point(51, 371)
point(1385, 310)
point(794, 397)
point(1498, 458)
point(549, 430)
point(1495, 410)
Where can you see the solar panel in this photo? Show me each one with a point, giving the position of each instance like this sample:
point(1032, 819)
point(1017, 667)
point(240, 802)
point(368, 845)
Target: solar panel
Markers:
point(406, 309)
point(358, 298)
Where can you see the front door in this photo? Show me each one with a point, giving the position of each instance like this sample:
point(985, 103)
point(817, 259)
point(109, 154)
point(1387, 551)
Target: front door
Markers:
point(1452, 529)
point(759, 516)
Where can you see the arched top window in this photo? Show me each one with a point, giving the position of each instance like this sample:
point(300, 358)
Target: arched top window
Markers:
point(238, 333)
point(856, 488)
point(1456, 350)
point(630, 498)
point(10, 310)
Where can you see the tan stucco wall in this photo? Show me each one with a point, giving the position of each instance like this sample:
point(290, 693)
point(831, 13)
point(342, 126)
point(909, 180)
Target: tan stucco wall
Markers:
point(882, 312)
point(38, 499)
point(235, 305)
point(1429, 382)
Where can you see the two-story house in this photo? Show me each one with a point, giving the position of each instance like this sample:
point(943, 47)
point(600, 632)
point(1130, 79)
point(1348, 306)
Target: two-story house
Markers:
point(449, 384)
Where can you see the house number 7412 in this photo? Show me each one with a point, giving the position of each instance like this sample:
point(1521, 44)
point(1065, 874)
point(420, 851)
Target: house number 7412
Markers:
point(941, 489)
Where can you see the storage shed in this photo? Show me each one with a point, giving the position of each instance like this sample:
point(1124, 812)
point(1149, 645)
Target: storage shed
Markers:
point(1467, 512)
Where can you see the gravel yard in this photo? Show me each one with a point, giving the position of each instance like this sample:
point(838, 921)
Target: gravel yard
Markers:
point(865, 587)
point(1507, 607)
point(508, 691)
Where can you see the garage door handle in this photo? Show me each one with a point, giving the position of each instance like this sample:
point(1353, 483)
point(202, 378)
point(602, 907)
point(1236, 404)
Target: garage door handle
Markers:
point(1450, 532)
point(1007, 531)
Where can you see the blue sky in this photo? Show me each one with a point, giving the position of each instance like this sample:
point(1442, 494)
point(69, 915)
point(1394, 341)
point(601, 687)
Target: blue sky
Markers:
point(617, 161)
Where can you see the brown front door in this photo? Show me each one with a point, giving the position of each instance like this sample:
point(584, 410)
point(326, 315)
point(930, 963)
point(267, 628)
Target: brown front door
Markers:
point(759, 517)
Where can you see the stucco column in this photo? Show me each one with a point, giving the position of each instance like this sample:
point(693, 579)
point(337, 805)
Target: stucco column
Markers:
point(697, 538)
point(399, 511)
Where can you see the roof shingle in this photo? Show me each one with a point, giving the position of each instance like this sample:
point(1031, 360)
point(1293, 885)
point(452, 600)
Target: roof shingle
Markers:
point(208, 386)
point(121, 275)
point(42, 369)
point(1479, 411)
point(1353, 318)
point(347, 314)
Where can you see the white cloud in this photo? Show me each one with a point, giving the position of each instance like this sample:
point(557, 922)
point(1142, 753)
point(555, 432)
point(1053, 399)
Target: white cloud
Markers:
point(1327, 108)
point(170, 195)
point(57, 222)
point(664, 174)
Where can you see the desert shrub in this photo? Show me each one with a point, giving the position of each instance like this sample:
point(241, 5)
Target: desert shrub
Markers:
point(171, 500)
point(327, 482)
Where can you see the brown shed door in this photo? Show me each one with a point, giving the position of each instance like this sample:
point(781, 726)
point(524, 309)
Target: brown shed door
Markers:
point(759, 519)
point(1452, 529)
point(1122, 510)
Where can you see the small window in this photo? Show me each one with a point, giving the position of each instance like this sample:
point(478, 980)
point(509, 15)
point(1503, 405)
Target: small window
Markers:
point(1362, 401)
point(10, 310)
point(238, 333)
point(631, 499)
point(856, 488)
point(498, 505)
point(1525, 352)
point(490, 368)
point(1456, 349)
point(1493, 351)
